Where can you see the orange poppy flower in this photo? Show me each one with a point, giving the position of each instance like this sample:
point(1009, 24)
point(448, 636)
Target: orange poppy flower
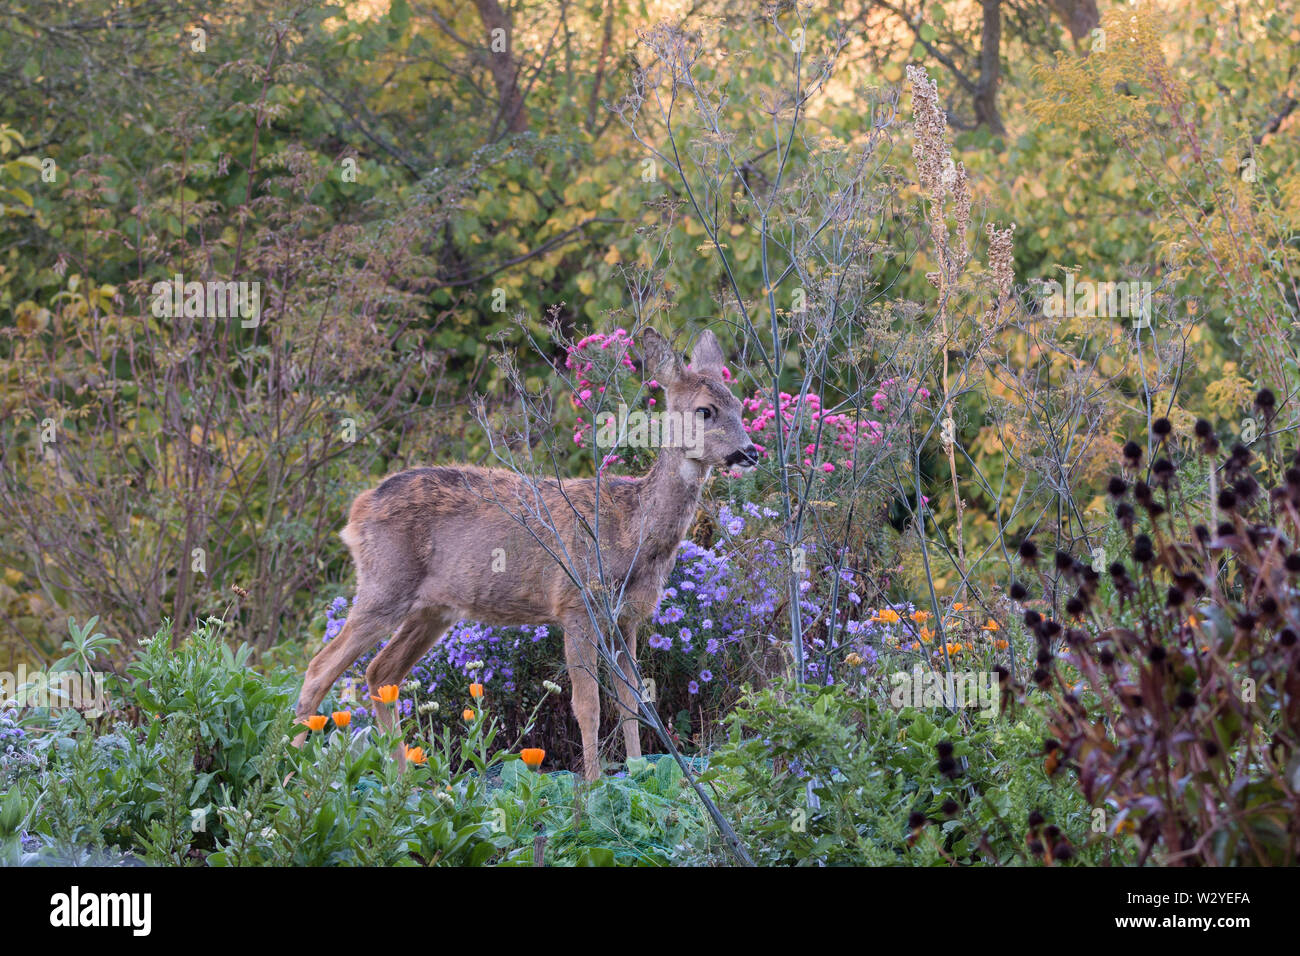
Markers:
point(992, 626)
point(416, 755)
point(342, 717)
point(927, 634)
point(959, 606)
point(476, 690)
point(532, 757)
point(888, 615)
point(1000, 644)
point(388, 694)
point(468, 713)
point(317, 721)
point(920, 617)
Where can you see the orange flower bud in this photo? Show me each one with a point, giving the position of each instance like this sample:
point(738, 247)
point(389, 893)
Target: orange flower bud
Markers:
point(476, 690)
point(532, 757)
point(317, 721)
point(342, 717)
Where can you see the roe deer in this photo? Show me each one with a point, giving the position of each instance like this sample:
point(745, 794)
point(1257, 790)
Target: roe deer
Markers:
point(426, 541)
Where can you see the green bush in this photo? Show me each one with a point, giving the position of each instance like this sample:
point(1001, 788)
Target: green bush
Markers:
point(825, 776)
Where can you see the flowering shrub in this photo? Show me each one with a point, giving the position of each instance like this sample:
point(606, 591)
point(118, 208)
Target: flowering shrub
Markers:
point(600, 357)
point(835, 436)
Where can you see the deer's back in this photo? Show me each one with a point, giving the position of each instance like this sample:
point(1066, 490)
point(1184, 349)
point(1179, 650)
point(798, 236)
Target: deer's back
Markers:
point(492, 544)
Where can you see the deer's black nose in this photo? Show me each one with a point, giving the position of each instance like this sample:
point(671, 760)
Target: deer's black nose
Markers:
point(745, 456)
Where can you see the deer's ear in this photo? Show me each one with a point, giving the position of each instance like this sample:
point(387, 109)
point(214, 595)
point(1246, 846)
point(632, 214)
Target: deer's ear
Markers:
point(661, 362)
point(707, 358)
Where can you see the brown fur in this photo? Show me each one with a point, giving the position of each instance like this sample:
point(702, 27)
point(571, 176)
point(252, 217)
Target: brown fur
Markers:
point(425, 541)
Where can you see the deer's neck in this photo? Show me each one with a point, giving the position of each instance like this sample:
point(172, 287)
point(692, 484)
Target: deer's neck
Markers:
point(671, 497)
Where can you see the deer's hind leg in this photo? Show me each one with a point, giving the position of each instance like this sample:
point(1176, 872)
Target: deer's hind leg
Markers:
point(370, 619)
point(423, 627)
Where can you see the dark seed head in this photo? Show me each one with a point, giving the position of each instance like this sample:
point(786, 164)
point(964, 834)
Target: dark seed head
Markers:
point(1116, 486)
point(1265, 399)
point(1156, 654)
point(1186, 700)
point(1019, 592)
point(915, 820)
point(950, 808)
point(1028, 551)
point(1036, 819)
point(1202, 428)
point(1132, 453)
point(944, 748)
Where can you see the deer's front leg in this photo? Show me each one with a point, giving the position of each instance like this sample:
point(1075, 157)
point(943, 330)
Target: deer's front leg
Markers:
point(582, 660)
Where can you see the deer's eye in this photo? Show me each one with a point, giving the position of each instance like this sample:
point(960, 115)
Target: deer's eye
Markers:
point(706, 412)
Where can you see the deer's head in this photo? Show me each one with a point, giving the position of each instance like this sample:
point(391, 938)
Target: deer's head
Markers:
point(702, 417)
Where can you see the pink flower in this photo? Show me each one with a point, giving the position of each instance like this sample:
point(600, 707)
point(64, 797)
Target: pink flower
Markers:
point(828, 467)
